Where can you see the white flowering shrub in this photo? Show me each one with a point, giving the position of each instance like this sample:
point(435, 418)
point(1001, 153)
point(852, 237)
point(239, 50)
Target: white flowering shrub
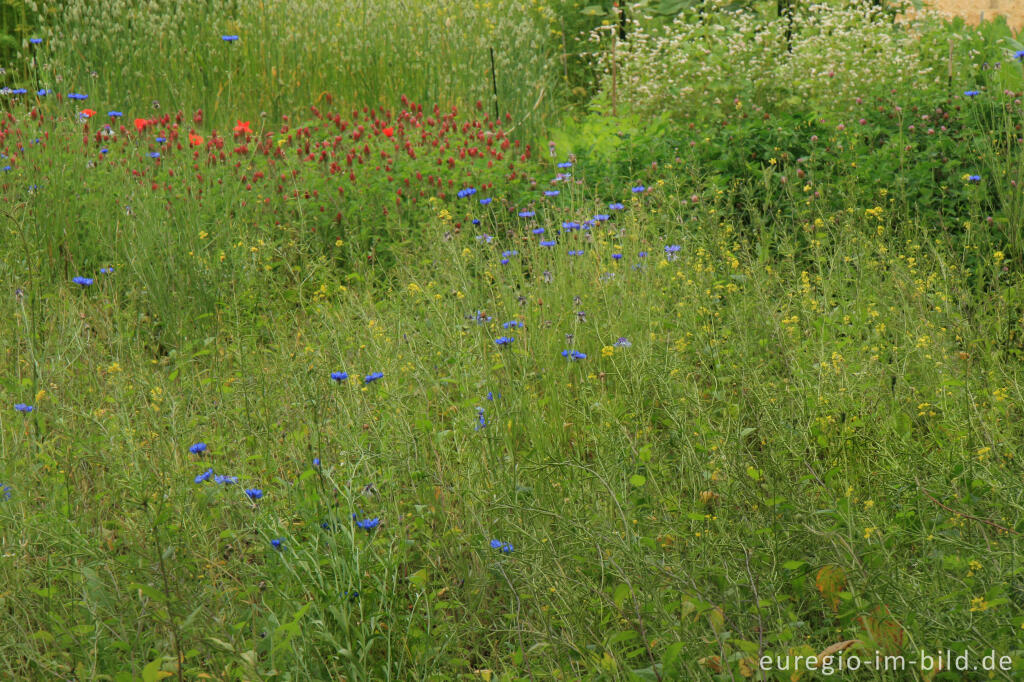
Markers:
point(703, 64)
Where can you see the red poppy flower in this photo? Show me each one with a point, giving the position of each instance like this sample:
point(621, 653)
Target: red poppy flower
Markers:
point(140, 124)
point(87, 113)
point(194, 140)
point(388, 131)
point(242, 127)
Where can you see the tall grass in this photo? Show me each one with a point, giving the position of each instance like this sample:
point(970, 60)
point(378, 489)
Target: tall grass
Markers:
point(130, 53)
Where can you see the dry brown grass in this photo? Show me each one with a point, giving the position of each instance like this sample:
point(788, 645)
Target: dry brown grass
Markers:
point(975, 10)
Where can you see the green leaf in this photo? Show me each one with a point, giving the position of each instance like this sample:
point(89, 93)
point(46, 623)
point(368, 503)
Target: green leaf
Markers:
point(645, 453)
point(793, 565)
point(637, 480)
point(149, 591)
point(619, 596)
point(672, 654)
point(152, 672)
point(419, 579)
point(621, 636)
point(594, 11)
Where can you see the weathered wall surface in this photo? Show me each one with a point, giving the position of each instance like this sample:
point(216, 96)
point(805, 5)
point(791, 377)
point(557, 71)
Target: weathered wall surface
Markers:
point(974, 10)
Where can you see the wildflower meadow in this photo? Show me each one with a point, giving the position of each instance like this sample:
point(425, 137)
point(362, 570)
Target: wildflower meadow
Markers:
point(345, 340)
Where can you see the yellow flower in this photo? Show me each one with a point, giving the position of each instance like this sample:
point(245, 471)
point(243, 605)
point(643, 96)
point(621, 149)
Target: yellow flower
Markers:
point(979, 604)
point(607, 351)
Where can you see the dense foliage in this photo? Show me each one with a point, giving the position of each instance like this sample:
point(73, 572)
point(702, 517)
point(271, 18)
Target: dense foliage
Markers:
point(344, 376)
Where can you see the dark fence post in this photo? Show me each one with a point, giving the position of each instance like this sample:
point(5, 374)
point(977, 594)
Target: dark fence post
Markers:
point(494, 87)
point(786, 7)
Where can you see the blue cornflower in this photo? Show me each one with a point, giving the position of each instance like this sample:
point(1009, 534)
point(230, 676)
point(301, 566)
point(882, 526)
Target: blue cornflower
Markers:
point(372, 376)
point(467, 192)
point(490, 396)
point(77, 95)
point(638, 189)
point(484, 237)
point(587, 224)
point(104, 151)
point(5, 491)
point(482, 317)
point(506, 254)
point(527, 214)
point(339, 376)
point(19, 91)
point(512, 324)
point(196, 448)
point(503, 547)
point(971, 93)
point(476, 221)
point(486, 200)
point(254, 493)
point(225, 480)
point(602, 217)
point(114, 114)
point(548, 243)
point(22, 407)
point(571, 225)
point(623, 342)
point(82, 281)
point(43, 92)
point(154, 155)
point(205, 476)
point(616, 256)
point(974, 178)
point(551, 193)
point(642, 254)
point(161, 140)
point(616, 207)
point(366, 524)
point(316, 462)
point(481, 421)
point(35, 41)
point(504, 340)
point(576, 253)
point(6, 168)
point(574, 355)
point(277, 543)
point(504, 261)
point(674, 248)
point(106, 271)
point(538, 230)
point(565, 164)
point(229, 39)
